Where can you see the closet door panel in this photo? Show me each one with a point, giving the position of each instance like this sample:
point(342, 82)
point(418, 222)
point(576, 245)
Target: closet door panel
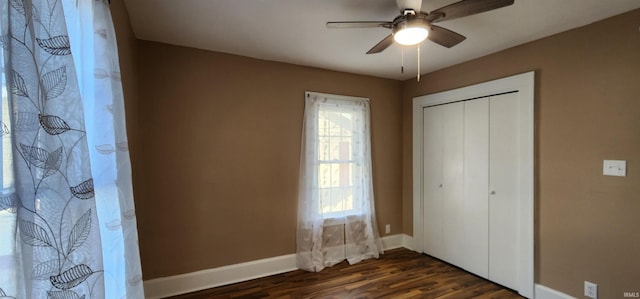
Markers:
point(432, 184)
point(475, 209)
point(503, 180)
point(453, 222)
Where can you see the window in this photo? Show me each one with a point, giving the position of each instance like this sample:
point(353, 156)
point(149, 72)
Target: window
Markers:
point(336, 164)
point(337, 139)
point(7, 195)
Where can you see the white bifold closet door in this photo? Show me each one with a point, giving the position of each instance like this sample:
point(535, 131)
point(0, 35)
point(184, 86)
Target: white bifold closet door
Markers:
point(443, 181)
point(476, 181)
point(432, 184)
point(504, 190)
point(471, 186)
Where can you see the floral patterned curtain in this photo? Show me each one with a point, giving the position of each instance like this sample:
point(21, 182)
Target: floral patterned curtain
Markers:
point(67, 222)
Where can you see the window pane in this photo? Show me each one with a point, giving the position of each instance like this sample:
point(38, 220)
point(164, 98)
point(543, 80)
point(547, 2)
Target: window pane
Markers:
point(8, 200)
point(324, 178)
point(6, 176)
point(323, 148)
point(336, 168)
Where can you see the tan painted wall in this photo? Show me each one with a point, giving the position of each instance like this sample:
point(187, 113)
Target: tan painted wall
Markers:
point(220, 136)
point(587, 109)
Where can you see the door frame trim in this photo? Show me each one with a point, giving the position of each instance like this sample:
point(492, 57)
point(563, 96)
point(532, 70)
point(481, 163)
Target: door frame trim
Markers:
point(524, 85)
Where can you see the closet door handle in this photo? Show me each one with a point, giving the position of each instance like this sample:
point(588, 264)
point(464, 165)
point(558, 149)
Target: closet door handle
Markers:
point(493, 192)
point(440, 186)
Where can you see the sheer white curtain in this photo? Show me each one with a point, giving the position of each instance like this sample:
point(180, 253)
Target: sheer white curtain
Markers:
point(67, 220)
point(336, 214)
point(108, 146)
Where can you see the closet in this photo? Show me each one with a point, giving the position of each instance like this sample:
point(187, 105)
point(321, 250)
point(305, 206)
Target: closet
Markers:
point(475, 193)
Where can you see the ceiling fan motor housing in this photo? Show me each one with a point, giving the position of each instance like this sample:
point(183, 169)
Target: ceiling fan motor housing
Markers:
point(416, 23)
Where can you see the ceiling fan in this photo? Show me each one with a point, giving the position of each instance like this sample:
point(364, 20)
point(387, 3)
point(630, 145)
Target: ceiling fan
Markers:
point(413, 26)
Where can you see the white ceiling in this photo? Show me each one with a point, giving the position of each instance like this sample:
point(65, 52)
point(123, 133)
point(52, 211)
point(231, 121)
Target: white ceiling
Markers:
point(294, 31)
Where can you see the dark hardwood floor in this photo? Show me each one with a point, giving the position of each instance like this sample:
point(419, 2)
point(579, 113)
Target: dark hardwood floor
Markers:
point(399, 273)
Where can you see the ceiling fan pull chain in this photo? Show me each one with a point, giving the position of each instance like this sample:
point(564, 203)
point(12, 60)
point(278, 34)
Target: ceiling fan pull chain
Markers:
point(402, 58)
point(418, 63)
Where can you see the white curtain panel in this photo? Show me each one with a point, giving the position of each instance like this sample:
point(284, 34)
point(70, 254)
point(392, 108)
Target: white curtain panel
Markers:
point(67, 220)
point(336, 214)
point(101, 84)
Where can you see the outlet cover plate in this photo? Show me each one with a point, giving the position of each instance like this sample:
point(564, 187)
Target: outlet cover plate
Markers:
point(614, 167)
point(590, 289)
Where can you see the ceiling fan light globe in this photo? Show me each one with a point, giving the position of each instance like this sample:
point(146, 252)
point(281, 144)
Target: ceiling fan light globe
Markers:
point(410, 36)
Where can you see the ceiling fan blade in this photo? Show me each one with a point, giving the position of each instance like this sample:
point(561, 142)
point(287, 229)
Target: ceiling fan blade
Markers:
point(466, 8)
point(444, 37)
point(356, 24)
point(409, 4)
point(383, 44)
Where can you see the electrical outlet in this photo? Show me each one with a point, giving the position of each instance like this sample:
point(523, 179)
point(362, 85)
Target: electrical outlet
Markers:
point(590, 289)
point(387, 228)
point(614, 167)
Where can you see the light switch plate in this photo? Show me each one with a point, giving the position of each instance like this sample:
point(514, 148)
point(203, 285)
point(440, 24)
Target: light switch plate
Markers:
point(614, 167)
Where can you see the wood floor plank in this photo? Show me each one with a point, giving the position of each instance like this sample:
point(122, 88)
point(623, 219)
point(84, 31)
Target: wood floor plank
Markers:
point(399, 273)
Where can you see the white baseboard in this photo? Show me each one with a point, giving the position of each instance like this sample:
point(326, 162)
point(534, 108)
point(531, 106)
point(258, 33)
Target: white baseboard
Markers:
point(407, 242)
point(542, 292)
point(391, 242)
point(211, 278)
